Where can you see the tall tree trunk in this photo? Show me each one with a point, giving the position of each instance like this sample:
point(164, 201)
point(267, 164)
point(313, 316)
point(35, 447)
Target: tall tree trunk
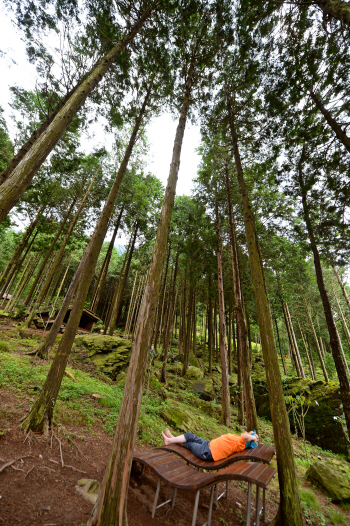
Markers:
point(313, 377)
point(290, 511)
point(291, 341)
point(194, 327)
point(110, 507)
point(161, 300)
point(311, 356)
point(16, 183)
point(41, 413)
point(342, 287)
point(166, 339)
point(210, 328)
point(5, 276)
point(296, 349)
point(48, 253)
point(187, 342)
point(225, 392)
point(121, 285)
point(340, 134)
point(242, 333)
point(332, 330)
point(229, 349)
point(319, 352)
point(96, 295)
point(279, 344)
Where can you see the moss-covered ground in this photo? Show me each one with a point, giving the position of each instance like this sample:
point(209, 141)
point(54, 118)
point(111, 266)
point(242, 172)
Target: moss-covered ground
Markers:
point(92, 399)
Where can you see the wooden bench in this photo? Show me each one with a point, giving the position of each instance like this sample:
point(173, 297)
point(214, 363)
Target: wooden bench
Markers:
point(179, 475)
point(262, 453)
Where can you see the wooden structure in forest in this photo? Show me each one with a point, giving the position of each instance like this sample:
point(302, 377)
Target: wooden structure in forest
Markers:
point(176, 473)
point(47, 316)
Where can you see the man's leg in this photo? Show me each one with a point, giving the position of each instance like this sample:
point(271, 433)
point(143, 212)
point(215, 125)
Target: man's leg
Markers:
point(168, 434)
point(174, 440)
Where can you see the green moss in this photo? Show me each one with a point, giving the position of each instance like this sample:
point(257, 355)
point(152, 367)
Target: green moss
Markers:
point(4, 346)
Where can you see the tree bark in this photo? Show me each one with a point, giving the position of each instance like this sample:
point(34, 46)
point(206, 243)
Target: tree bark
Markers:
point(242, 333)
point(16, 183)
point(290, 512)
point(110, 507)
point(311, 356)
point(279, 344)
point(210, 328)
point(225, 392)
point(161, 300)
point(169, 324)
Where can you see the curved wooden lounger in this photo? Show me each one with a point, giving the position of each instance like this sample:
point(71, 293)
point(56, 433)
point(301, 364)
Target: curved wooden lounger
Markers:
point(262, 453)
point(172, 470)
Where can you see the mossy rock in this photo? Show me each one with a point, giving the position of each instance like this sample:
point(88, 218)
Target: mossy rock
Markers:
point(194, 373)
point(179, 416)
point(194, 362)
point(24, 334)
point(333, 478)
point(205, 389)
point(110, 354)
point(322, 421)
point(89, 489)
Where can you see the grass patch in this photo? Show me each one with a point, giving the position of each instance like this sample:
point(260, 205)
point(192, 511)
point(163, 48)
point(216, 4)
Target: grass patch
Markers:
point(335, 516)
point(309, 500)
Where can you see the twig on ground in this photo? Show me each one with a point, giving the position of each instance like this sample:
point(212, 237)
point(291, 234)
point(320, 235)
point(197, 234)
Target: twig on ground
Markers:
point(11, 462)
point(30, 353)
point(75, 469)
point(55, 461)
point(51, 439)
point(31, 469)
point(60, 443)
point(18, 469)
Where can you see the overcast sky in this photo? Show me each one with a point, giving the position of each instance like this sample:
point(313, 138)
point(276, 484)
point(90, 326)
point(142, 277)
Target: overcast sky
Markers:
point(15, 70)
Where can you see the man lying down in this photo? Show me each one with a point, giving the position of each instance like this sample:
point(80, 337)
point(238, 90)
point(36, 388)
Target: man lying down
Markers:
point(217, 449)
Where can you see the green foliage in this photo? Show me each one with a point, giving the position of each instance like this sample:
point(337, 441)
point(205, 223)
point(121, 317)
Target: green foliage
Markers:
point(309, 500)
point(336, 517)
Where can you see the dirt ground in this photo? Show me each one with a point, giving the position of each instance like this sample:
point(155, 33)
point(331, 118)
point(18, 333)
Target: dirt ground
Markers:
point(36, 490)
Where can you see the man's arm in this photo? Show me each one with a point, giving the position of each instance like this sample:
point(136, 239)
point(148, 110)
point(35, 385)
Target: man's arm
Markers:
point(248, 436)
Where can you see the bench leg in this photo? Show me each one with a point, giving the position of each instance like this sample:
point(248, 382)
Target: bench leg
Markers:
point(216, 494)
point(173, 499)
point(257, 507)
point(143, 470)
point(194, 520)
point(264, 504)
point(211, 505)
point(249, 503)
point(227, 489)
point(156, 500)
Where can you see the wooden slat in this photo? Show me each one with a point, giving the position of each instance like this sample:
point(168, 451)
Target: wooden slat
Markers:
point(176, 473)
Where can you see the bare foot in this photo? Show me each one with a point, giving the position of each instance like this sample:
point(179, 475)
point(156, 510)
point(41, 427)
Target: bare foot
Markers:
point(168, 434)
point(166, 439)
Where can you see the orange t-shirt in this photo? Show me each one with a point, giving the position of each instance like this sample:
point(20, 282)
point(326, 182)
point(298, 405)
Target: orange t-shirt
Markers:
point(225, 445)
